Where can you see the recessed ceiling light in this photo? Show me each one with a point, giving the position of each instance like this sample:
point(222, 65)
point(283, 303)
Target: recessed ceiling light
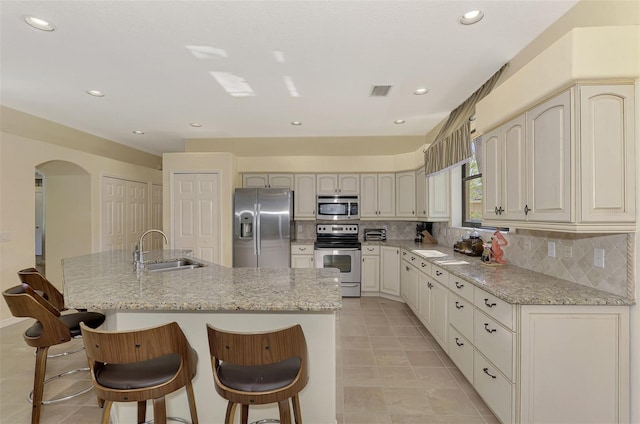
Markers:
point(420, 91)
point(195, 124)
point(296, 123)
point(138, 132)
point(95, 93)
point(471, 17)
point(38, 23)
point(399, 121)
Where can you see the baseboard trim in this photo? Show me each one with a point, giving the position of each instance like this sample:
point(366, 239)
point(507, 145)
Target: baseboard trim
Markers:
point(11, 321)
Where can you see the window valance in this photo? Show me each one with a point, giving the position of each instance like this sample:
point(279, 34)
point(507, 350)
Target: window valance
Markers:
point(452, 145)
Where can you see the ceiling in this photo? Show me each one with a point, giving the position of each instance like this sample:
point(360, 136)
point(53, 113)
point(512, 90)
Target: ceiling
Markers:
point(158, 64)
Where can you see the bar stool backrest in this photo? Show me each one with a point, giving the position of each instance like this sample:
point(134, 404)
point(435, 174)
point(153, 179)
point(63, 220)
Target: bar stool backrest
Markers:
point(38, 281)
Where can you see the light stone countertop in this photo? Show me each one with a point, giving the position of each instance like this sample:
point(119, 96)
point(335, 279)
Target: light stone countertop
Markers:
point(513, 284)
point(109, 281)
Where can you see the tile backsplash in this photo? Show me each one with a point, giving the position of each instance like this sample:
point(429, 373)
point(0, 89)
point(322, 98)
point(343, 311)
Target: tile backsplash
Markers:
point(396, 230)
point(574, 260)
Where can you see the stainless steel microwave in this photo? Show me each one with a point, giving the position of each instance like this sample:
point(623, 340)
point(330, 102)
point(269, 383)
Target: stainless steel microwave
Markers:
point(338, 207)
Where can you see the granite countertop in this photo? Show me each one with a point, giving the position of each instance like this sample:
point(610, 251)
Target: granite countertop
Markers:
point(513, 284)
point(109, 280)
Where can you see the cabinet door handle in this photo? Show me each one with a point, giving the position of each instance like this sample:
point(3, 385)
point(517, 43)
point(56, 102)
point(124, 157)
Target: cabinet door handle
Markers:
point(496, 210)
point(490, 305)
point(459, 286)
point(438, 273)
point(486, 371)
point(458, 305)
point(489, 330)
point(526, 209)
point(500, 210)
point(458, 343)
point(407, 268)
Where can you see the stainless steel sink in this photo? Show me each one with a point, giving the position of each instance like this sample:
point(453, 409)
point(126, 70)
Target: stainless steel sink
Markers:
point(173, 265)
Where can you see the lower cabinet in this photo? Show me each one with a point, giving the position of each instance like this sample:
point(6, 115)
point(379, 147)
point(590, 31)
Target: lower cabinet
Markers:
point(529, 363)
point(390, 270)
point(302, 256)
point(370, 273)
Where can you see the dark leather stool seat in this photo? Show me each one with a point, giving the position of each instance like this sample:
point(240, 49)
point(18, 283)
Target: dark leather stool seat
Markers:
point(259, 368)
point(141, 365)
point(51, 328)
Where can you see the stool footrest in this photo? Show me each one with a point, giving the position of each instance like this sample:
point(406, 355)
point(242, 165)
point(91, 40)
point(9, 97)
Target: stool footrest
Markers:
point(63, 398)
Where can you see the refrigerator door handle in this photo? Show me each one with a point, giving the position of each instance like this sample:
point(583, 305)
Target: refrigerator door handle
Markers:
point(257, 238)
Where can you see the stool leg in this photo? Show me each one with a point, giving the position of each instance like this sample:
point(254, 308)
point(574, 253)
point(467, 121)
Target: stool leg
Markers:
point(192, 403)
point(295, 400)
point(142, 411)
point(38, 383)
point(106, 412)
point(159, 411)
point(285, 412)
point(245, 414)
point(231, 413)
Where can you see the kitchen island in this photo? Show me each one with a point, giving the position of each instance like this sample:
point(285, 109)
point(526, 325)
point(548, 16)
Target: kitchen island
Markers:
point(238, 299)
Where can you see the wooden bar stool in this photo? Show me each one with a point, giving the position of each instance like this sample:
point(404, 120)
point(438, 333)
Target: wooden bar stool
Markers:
point(259, 368)
point(141, 365)
point(51, 328)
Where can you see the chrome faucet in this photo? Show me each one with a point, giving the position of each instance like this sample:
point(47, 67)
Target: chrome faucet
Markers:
point(138, 253)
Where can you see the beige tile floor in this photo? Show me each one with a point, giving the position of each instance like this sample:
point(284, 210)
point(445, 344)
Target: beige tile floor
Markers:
point(390, 370)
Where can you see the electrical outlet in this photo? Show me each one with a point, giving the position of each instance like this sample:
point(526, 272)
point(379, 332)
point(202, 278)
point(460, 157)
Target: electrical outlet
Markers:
point(568, 252)
point(551, 249)
point(299, 228)
point(598, 258)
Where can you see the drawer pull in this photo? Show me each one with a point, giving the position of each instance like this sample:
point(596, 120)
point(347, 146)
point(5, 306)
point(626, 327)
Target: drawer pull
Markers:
point(458, 305)
point(423, 264)
point(404, 253)
point(490, 305)
point(458, 343)
point(302, 249)
point(459, 286)
point(489, 330)
point(413, 258)
point(429, 285)
point(486, 371)
point(438, 273)
point(370, 249)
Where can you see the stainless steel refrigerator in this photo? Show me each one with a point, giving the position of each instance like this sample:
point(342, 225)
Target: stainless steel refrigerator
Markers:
point(262, 227)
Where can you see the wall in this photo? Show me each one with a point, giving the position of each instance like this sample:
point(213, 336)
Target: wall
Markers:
point(19, 157)
point(223, 163)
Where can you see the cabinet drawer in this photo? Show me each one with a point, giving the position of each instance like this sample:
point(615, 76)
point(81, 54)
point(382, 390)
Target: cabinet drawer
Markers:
point(370, 250)
point(498, 309)
point(461, 287)
point(494, 341)
point(440, 274)
point(424, 266)
point(461, 315)
point(302, 249)
point(494, 388)
point(461, 353)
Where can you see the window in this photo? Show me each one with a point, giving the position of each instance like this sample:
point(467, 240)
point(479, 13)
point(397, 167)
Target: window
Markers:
point(471, 192)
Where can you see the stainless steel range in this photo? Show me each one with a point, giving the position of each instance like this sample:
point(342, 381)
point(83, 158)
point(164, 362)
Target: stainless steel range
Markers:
point(337, 246)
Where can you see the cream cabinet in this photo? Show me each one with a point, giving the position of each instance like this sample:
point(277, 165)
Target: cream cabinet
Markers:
point(433, 196)
point(377, 195)
point(338, 184)
point(302, 256)
point(390, 270)
point(370, 272)
point(406, 194)
point(304, 196)
point(577, 158)
point(268, 181)
point(439, 309)
point(410, 279)
point(503, 176)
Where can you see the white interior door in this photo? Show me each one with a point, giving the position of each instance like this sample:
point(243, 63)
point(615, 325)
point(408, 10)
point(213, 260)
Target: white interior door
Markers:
point(113, 224)
point(136, 213)
point(196, 218)
point(156, 214)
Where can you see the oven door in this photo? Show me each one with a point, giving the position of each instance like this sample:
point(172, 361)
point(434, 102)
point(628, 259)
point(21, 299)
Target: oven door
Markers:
point(346, 260)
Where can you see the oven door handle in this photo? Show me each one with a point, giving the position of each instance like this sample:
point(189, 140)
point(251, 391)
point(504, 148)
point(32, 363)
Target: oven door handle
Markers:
point(331, 249)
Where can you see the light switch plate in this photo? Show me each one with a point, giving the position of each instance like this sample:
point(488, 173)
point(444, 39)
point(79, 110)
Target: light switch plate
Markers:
point(551, 249)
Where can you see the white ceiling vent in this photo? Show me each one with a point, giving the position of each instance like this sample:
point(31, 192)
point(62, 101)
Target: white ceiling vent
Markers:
point(380, 90)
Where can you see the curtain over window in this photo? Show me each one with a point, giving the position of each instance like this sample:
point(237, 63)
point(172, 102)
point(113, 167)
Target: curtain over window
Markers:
point(452, 145)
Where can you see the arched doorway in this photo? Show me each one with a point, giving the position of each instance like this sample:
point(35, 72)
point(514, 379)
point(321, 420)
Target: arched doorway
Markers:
point(66, 189)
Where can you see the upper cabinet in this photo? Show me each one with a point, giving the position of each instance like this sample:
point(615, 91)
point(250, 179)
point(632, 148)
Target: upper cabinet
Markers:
point(267, 181)
point(338, 183)
point(567, 164)
point(432, 196)
point(406, 194)
point(377, 195)
point(304, 197)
